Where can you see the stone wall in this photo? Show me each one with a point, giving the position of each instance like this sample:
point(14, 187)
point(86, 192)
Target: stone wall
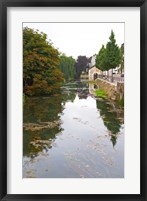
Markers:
point(113, 91)
point(120, 92)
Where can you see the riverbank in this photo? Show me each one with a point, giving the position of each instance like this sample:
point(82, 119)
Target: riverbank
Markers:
point(114, 91)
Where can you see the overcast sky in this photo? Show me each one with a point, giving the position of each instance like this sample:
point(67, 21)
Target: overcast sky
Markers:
point(76, 39)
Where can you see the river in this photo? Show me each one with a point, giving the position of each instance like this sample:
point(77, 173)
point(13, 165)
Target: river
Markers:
point(86, 139)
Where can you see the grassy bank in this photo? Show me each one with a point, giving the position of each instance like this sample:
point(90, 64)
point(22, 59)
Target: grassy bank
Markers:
point(100, 93)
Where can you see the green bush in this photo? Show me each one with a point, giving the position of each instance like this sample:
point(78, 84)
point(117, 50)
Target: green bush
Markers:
point(101, 93)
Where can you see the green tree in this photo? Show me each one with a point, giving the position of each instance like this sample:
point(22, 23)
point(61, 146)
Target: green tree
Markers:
point(122, 57)
point(81, 65)
point(67, 66)
point(40, 60)
point(112, 53)
point(101, 59)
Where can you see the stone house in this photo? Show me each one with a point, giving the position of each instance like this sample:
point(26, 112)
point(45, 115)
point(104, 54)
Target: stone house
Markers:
point(94, 72)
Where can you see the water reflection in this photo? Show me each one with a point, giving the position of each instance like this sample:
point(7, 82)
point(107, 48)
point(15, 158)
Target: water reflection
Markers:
point(111, 118)
point(42, 109)
point(80, 88)
point(81, 140)
point(38, 110)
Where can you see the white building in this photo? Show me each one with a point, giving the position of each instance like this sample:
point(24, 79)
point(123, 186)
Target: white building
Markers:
point(92, 62)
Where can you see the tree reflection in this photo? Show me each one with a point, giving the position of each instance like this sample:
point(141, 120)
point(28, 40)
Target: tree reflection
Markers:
point(71, 89)
point(110, 118)
point(35, 142)
point(83, 94)
point(68, 96)
point(36, 110)
point(42, 109)
point(82, 90)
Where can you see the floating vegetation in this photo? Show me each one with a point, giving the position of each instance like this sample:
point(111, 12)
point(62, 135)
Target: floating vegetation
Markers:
point(40, 125)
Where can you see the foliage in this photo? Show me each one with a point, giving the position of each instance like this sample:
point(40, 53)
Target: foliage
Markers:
point(80, 65)
point(122, 57)
point(40, 59)
point(101, 59)
point(101, 93)
point(67, 67)
point(112, 53)
point(111, 56)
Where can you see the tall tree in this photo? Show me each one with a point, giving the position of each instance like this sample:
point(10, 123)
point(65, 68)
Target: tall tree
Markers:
point(101, 59)
point(112, 53)
point(40, 59)
point(67, 66)
point(122, 57)
point(80, 65)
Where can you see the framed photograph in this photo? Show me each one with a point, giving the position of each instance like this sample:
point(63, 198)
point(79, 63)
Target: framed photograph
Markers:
point(73, 100)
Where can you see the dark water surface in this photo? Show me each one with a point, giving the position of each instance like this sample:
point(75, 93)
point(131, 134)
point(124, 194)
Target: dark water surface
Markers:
point(86, 142)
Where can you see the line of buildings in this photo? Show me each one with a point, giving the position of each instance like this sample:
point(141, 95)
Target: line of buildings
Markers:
point(94, 72)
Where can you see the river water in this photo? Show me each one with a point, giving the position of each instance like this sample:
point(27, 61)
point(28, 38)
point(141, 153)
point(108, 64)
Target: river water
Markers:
point(85, 141)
